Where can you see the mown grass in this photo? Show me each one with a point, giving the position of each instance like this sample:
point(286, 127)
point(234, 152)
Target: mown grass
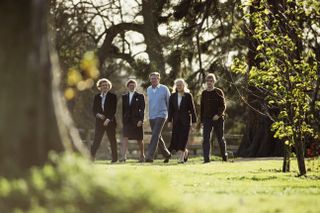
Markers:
point(254, 185)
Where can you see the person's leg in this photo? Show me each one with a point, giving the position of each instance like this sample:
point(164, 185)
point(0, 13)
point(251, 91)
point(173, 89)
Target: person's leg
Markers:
point(124, 146)
point(98, 135)
point(219, 131)
point(181, 155)
point(162, 145)
point(207, 128)
point(111, 132)
point(141, 149)
point(156, 128)
point(153, 142)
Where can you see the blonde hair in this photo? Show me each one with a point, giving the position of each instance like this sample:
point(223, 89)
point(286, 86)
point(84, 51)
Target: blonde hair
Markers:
point(174, 88)
point(103, 80)
point(155, 73)
point(131, 81)
point(211, 76)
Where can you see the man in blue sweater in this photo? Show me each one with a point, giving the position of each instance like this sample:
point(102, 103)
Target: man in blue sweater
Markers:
point(158, 96)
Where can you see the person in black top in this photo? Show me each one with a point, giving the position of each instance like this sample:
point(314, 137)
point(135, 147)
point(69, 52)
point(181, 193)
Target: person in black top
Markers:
point(181, 116)
point(104, 110)
point(133, 106)
point(212, 116)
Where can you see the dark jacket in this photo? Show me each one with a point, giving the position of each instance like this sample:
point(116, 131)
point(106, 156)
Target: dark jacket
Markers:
point(212, 103)
point(133, 112)
point(185, 113)
point(110, 106)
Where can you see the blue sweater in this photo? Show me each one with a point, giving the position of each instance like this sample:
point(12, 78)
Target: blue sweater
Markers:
point(158, 101)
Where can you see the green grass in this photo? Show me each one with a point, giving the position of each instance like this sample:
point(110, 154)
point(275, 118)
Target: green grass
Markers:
point(256, 185)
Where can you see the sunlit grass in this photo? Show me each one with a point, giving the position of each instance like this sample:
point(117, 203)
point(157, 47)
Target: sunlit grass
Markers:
point(240, 186)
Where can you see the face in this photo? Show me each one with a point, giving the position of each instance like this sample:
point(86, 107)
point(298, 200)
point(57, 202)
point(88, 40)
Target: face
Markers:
point(180, 86)
point(104, 87)
point(131, 87)
point(154, 80)
point(210, 83)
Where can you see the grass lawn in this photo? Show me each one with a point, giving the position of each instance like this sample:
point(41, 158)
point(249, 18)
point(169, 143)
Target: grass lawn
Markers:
point(245, 185)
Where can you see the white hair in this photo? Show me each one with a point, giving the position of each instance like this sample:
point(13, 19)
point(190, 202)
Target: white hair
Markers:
point(103, 80)
point(154, 73)
point(211, 76)
point(180, 80)
point(131, 81)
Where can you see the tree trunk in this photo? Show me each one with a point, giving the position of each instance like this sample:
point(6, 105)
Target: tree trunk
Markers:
point(152, 36)
point(28, 125)
point(258, 140)
point(300, 157)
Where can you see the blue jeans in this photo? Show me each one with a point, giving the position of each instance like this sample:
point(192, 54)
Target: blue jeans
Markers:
point(218, 126)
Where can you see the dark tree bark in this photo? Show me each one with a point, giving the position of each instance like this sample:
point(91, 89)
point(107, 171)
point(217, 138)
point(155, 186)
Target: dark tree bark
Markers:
point(150, 11)
point(258, 140)
point(30, 107)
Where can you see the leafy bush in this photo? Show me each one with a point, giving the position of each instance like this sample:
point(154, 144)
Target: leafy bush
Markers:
point(71, 184)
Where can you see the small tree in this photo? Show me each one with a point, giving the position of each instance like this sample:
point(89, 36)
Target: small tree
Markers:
point(287, 72)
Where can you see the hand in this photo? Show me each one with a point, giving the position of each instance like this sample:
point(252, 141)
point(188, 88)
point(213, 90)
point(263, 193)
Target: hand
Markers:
point(106, 122)
point(216, 117)
point(139, 124)
point(169, 124)
point(102, 117)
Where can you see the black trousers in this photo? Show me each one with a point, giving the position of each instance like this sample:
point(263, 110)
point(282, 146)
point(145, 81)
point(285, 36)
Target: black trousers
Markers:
point(218, 126)
point(98, 135)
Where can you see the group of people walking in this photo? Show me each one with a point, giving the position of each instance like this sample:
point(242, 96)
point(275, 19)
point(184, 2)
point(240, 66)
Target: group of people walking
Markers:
point(178, 109)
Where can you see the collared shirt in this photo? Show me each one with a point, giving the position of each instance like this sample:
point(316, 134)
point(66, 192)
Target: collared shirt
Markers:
point(158, 101)
point(103, 100)
point(130, 97)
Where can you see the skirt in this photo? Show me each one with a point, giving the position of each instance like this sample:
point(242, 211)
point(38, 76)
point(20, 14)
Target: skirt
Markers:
point(132, 132)
point(180, 136)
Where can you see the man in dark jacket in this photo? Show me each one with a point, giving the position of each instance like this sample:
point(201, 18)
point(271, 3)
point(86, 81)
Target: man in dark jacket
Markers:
point(104, 109)
point(212, 116)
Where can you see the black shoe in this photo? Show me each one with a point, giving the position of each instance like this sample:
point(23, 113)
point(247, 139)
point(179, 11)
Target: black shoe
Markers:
point(149, 161)
point(206, 161)
point(186, 156)
point(114, 161)
point(167, 159)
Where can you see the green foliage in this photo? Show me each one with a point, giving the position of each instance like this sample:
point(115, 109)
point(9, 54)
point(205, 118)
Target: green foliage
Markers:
point(287, 69)
point(71, 184)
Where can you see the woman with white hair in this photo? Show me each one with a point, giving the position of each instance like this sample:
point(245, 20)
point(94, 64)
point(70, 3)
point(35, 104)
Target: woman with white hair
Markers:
point(104, 110)
point(181, 116)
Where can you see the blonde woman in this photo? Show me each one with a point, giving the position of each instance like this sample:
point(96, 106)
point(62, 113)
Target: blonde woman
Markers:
point(181, 116)
point(104, 110)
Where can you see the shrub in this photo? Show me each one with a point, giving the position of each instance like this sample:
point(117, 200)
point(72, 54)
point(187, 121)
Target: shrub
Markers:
point(71, 184)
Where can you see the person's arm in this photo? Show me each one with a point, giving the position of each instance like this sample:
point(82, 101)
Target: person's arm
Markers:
point(221, 102)
point(142, 107)
point(167, 95)
point(113, 107)
point(192, 109)
point(170, 111)
point(202, 108)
